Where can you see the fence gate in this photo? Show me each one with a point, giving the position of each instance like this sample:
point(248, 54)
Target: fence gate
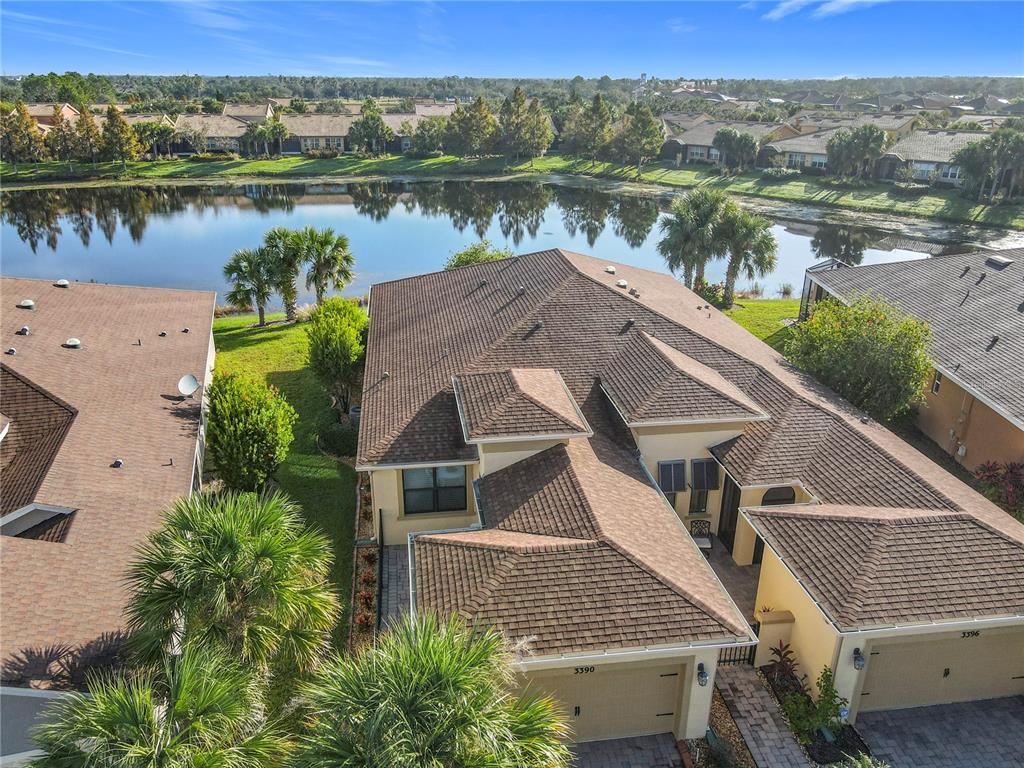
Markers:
point(742, 655)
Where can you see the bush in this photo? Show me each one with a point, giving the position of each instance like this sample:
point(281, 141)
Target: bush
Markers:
point(321, 154)
point(810, 170)
point(868, 351)
point(779, 174)
point(909, 189)
point(786, 290)
point(336, 438)
point(807, 716)
point(478, 253)
point(214, 157)
point(1003, 484)
point(337, 342)
point(248, 432)
point(304, 313)
point(713, 293)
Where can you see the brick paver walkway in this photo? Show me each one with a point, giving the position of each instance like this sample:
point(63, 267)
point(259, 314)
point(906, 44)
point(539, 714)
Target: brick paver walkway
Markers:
point(975, 734)
point(639, 752)
point(395, 589)
point(768, 738)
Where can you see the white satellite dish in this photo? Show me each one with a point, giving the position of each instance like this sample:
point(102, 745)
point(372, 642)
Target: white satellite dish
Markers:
point(187, 385)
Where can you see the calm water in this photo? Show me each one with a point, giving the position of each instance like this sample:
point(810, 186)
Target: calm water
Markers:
point(181, 236)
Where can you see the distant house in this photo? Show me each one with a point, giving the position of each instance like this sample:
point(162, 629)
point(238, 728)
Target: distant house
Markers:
point(250, 113)
point(988, 122)
point(987, 104)
point(134, 118)
point(898, 124)
point(974, 406)
point(929, 154)
point(435, 110)
point(808, 150)
point(95, 444)
point(698, 140)
point(42, 113)
point(675, 124)
point(316, 131)
point(223, 133)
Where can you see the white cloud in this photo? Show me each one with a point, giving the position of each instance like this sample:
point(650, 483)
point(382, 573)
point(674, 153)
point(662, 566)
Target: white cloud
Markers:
point(680, 25)
point(351, 61)
point(208, 16)
point(785, 8)
point(824, 9)
point(75, 40)
point(751, 6)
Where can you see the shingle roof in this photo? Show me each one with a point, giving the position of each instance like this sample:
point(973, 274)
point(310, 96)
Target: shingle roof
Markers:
point(651, 382)
point(868, 567)
point(316, 124)
point(887, 121)
point(71, 592)
point(581, 553)
point(703, 134)
point(933, 146)
point(517, 402)
point(216, 126)
point(678, 123)
point(809, 143)
point(967, 302)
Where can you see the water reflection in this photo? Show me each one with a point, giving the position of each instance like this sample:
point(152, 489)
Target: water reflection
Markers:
point(179, 235)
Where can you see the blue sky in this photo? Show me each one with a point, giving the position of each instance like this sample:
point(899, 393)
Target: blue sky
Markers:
point(777, 39)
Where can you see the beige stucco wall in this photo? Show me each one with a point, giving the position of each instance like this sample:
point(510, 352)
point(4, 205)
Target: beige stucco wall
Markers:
point(388, 507)
point(495, 456)
point(953, 418)
point(746, 538)
point(813, 639)
point(686, 442)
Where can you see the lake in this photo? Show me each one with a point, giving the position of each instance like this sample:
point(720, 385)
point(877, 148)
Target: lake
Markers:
point(180, 236)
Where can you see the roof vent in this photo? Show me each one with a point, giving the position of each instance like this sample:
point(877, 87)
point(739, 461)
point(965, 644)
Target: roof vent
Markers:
point(73, 343)
point(621, 284)
point(23, 331)
point(966, 270)
point(521, 290)
point(62, 283)
point(610, 269)
point(184, 330)
point(11, 351)
point(995, 340)
point(386, 375)
point(999, 262)
point(26, 304)
point(864, 419)
point(483, 283)
point(117, 463)
point(162, 334)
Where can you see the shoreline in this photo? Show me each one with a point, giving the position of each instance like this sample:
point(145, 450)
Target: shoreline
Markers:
point(805, 194)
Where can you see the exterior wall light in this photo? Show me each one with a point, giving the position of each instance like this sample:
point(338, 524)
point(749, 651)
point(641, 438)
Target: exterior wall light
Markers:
point(858, 659)
point(702, 675)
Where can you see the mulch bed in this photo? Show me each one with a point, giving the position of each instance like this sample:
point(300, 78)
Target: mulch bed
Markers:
point(732, 751)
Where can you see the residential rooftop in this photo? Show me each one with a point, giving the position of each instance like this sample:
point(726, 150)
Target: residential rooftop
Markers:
point(933, 146)
point(703, 134)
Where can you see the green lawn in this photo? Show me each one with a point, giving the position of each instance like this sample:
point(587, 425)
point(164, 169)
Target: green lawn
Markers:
point(324, 487)
point(763, 318)
point(946, 205)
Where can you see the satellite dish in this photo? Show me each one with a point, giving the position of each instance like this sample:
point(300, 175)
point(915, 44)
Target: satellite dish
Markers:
point(187, 385)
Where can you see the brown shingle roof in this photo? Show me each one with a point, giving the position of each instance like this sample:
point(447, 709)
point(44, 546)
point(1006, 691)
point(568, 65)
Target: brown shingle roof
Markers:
point(972, 307)
point(517, 402)
point(317, 124)
point(703, 134)
point(71, 592)
point(651, 382)
point(932, 146)
point(868, 567)
point(216, 126)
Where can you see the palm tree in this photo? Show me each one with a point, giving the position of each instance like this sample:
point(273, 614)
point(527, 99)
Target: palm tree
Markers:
point(751, 247)
point(329, 258)
point(285, 250)
point(252, 137)
point(238, 571)
point(692, 234)
point(197, 709)
point(277, 132)
point(251, 274)
point(430, 692)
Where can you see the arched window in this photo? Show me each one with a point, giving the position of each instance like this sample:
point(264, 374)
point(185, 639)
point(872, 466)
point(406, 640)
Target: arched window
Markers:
point(775, 496)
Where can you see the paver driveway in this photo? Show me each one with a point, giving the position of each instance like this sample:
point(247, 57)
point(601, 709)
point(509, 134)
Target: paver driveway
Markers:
point(976, 734)
point(638, 752)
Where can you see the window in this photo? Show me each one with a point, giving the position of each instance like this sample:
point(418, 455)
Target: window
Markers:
point(795, 160)
point(951, 172)
point(936, 383)
point(819, 161)
point(434, 489)
point(697, 152)
point(714, 154)
point(672, 478)
point(704, 478)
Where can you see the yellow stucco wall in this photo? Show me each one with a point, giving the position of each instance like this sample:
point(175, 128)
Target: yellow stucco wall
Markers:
point(686, 442)
point(746, 538)
point(495, 456)
point(953, 418)
point(812, 638)
point(386, 486)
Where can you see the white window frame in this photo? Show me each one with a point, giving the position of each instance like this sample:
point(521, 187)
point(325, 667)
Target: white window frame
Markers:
point(936, 383)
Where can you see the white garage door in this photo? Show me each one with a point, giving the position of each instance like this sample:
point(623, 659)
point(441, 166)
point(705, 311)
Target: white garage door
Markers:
point(964, 666)
point(612, 701)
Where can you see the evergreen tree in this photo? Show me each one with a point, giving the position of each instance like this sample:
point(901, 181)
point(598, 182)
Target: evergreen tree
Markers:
point(23, 141)
point(595, 128)
point(370, 133)
point(119, 140)
point(642, 136)
point(87, 136)
point(512, 121)
point(471, 130)
point(539, 133)
point(61, 138)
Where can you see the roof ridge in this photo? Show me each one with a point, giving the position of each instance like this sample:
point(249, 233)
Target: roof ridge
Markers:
point(500, 409)
point(546, 409)
point(41, 390)
point(866, 573)
point(481, 594)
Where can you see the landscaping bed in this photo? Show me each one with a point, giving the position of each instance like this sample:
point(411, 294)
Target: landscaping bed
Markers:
point(366, 570)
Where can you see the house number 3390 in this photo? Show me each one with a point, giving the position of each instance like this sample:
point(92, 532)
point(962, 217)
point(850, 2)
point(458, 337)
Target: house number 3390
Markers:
point(584, 670)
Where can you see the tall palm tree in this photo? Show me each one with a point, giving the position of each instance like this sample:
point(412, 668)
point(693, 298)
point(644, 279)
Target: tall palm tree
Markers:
point(237, 571)
point(285, 248)
point(196, 709)
point(691, 236)
point(252, 137)
point(751, 246)
point(251, 274)
point(430, 693)
point(329, 258)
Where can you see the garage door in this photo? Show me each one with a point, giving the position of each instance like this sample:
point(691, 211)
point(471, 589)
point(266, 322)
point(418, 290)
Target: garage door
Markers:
point(962, 667)
point(612, 701)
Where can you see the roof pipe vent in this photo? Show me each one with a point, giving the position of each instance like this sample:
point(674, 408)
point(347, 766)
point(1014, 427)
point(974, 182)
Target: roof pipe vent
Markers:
point(26, 304)
point(62, 283)
point(23, 331)
point(117, 463)
point(11, 351)
point(72, 343)
point(521, 290)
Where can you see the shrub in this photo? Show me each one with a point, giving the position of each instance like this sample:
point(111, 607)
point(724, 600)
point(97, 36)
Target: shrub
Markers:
point(336, 438)
point(477, 253)
point(212, 157)
point(1003, 484)
point(337, 342)
point(868, 351)
point(810, 170)
point(909, 189)
point(321, 154)
point(786, 290)
point(713, 293)
point(807, 716)
point(779, 174)
point(304, 313)
point(249, 431)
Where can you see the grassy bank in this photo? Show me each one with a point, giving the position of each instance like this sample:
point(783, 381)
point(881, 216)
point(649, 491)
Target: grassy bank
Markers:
point(324, 487)
point(765, 318)
point(944, 205)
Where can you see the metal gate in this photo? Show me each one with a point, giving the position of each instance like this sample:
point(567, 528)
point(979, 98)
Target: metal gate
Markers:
point(742, 655)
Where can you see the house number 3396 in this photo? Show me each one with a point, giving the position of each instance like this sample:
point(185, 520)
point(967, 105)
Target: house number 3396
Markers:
point(584, 670)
